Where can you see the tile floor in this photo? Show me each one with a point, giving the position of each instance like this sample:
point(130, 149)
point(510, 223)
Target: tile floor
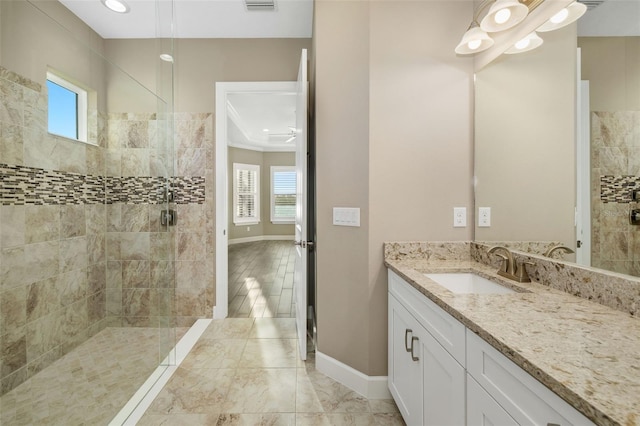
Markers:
point(242, 371)
point(90, 384)
point(261, 279)
point(246, 371)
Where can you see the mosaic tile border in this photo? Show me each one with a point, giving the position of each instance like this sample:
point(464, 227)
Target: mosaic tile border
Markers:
point(617, 189)
point(20, 185)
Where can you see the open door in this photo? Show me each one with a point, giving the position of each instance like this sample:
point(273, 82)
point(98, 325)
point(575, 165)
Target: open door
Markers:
point(302, 245)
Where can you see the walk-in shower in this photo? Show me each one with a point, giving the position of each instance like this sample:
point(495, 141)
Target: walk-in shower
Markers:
point(87, 282)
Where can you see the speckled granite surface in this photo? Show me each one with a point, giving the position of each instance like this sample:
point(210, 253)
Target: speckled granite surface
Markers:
point(587, 353)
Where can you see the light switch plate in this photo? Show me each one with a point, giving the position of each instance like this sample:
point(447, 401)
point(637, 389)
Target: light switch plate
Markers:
point(459, 217)
point(346, 216)
point(484, 217)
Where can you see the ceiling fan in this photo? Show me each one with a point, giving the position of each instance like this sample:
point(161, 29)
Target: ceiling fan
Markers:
point(291, 135)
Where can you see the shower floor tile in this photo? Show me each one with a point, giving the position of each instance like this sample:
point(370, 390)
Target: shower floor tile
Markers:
point(90, 384)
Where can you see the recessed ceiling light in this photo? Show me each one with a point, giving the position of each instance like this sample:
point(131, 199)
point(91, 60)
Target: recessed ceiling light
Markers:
point(116, 5)
point(265, 130)
point(166, 57)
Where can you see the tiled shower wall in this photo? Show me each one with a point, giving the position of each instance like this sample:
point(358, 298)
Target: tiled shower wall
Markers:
point(52, 221)
point(615, 171)
point(81, 243)
point(140, 274)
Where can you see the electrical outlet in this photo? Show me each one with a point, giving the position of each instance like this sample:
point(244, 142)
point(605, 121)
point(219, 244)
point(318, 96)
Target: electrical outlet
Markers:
point(484, 217)
point(459, 217)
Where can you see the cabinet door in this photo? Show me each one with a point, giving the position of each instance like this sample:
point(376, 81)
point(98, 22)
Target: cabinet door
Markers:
point(482, 410)
point(444, 385)
point(404, 373)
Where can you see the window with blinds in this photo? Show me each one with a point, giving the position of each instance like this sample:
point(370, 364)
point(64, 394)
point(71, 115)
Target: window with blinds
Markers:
point(246, 193)
point(283, 194)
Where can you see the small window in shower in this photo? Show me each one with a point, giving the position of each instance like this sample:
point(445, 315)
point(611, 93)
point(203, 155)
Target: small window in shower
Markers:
point(67, 108)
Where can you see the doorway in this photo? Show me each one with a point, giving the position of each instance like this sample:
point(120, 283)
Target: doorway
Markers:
point(225, 92)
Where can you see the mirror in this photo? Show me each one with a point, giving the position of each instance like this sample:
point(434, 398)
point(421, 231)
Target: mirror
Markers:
point(527, 163)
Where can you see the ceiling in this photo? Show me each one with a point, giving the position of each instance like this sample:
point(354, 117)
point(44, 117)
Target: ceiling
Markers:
point(611, 18)
point(196, 19)
point(262, 121)
point(249, 114)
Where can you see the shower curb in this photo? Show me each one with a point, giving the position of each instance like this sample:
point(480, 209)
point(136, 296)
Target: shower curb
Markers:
point(135, 408)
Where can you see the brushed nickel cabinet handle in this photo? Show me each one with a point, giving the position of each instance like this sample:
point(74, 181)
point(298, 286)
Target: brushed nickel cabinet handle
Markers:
point(406, 333)
point(413, 357)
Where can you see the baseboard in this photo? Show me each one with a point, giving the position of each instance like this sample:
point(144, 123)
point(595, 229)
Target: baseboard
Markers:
point(262, 238)
point(371, 387)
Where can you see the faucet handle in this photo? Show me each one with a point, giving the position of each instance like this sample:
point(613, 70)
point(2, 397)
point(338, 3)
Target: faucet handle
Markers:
point(504, 261)
point(522, 274)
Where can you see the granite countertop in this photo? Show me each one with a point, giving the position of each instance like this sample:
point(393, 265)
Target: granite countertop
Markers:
point(586, 353)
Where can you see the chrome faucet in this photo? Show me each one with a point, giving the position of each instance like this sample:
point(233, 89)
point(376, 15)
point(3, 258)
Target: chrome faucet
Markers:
point(509, 269)
point(555, 248)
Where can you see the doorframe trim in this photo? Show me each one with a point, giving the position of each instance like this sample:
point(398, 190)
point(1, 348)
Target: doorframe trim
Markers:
point(222, 90)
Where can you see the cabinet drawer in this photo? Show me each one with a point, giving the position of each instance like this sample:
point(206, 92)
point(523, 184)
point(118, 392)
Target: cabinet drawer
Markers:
point(525, 399)
point(447, 330)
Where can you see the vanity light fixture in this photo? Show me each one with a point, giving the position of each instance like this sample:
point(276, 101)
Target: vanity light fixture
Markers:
point(474, 40)
point(118, 6)
point(565, 17)
point(504, 14)
point(526, 44)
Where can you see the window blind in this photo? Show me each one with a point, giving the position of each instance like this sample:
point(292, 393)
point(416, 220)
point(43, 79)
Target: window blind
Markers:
point(283, 197)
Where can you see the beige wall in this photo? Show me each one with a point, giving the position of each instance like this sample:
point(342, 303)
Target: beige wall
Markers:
point(26, 28)
point(612, 87)
point(265, 160)
point(525, 142)
point(200, 63)
point(391, 106)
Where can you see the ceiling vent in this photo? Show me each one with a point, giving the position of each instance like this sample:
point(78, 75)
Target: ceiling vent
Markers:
point(260, 4)
point(592, 4)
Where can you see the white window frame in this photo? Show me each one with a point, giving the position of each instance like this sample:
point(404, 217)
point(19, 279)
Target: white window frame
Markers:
point(280, 221)
point(82, 106)
point(254, 220)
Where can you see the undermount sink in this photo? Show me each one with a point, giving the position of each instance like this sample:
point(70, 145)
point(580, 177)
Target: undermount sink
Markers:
point(465, 282)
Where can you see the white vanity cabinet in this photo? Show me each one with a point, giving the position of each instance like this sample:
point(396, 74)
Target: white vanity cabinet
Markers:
point(527, 400)
point(482, 410)
point(426, 381)
point(441, 373)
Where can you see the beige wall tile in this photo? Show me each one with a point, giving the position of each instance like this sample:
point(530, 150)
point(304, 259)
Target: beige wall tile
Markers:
point(72, 221)
point(72, 156)
point(42, 223)
point(135, 162)
point(136, 274)
point(13, 353)
point(42, 298)
point(135, 218)
point(12, 267)
point(40, 150)
point(97, 278)
point(96, 248)
point(12, 226)
point(41, 261)
point(11, 102)
point(73, 254)
point(135, 246)
point(191, 246)
point(11, 144)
